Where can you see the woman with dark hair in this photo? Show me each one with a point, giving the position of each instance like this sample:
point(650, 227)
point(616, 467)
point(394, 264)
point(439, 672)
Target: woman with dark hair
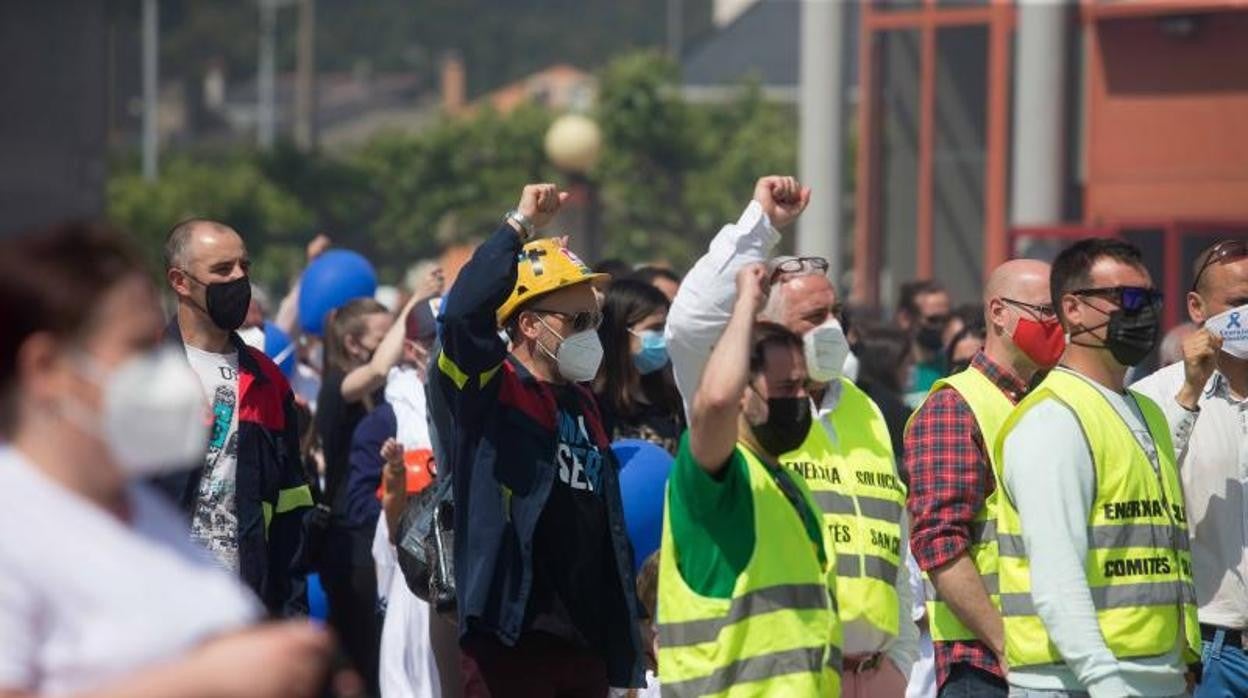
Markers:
point(885, 358)
point(964, 346)
point(102, 592)
point(635, 387)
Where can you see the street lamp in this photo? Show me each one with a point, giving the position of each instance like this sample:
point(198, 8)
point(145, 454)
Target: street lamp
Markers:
point(573, 144)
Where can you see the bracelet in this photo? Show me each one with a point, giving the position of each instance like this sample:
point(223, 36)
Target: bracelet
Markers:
point(526, 226)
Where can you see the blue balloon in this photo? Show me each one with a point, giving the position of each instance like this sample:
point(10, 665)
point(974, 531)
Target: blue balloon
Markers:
point(277, 346)
point(330, 281)
point(318, 602)
point(644, 468)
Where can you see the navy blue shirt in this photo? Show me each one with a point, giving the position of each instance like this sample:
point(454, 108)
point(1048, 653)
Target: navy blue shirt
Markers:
point(365, 466)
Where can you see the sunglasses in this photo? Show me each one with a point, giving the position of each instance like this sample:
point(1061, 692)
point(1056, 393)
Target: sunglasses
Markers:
point(798, 265)
point(1225, 251)
point(1129, 298)
point(1040, 312)
point(580, 321)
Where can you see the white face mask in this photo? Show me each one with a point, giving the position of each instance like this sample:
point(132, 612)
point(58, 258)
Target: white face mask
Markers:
point(826, 349)
point(851, 366)
point(579, 355)
point(153, 413)
point(1232, 327)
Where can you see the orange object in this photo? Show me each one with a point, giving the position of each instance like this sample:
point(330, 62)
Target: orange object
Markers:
point(421, 469)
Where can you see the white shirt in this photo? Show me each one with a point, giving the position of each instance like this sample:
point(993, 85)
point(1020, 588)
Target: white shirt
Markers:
point(214, 522)
point(1212, 448)
point(407, 663)
point(86, 598)
point(407, 666)
point(1050, 477)
point(697, 318)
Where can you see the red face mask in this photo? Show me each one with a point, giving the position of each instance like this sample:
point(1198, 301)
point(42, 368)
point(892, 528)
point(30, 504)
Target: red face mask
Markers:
point(1042, 342)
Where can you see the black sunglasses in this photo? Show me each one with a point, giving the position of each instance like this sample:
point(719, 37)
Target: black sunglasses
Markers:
point(1129, 298)
point(580, 321)
point(1225, 251)
point(797, 265)
point(1040, 312)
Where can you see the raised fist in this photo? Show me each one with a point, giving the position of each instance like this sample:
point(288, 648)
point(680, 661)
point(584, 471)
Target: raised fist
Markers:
point(540, 202)
point(752, 286)
point(1200, 359)
point(783, 198)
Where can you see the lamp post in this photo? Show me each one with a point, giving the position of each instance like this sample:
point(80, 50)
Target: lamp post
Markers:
point(573, 144)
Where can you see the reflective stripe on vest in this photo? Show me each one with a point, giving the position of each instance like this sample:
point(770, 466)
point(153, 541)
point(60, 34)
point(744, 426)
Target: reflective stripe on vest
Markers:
point(778, 634)
point(1138, 562)
point(853, 479)
point(990, 407)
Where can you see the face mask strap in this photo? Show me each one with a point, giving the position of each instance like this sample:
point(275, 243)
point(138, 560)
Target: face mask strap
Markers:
point(1093, 328)
point(552, 354)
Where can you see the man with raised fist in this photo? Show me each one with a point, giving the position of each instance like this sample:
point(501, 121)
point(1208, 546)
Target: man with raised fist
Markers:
point(543, 567)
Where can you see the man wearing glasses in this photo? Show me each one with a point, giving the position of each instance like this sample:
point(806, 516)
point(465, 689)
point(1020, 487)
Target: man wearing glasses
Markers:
point(543, 567)
point(844, 453)
point(1095, 571)
point(1205, 398)
point(953, 492)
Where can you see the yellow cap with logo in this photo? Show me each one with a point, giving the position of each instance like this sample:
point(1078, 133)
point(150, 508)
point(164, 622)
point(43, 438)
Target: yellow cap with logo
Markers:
point(545, 266)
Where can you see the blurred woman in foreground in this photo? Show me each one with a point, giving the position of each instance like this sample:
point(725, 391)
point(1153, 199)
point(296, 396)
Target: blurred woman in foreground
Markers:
point(102, 593)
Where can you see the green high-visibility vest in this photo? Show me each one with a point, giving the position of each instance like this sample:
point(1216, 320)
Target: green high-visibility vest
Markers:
point(778, 635)
point(990, 407)
point(854, 481)
point(1139, 565)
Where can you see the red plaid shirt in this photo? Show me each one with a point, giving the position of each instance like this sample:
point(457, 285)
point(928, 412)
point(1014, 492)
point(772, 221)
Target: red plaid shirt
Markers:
point(950, 477)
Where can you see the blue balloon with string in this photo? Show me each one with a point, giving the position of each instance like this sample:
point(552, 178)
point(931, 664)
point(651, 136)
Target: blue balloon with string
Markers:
point(279, 348)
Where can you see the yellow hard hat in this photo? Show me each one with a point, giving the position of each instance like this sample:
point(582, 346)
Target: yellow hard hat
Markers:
point(544, 266)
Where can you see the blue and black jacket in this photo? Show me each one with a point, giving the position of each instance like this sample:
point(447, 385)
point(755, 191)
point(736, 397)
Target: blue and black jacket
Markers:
point(497, 423)
point(272, 495)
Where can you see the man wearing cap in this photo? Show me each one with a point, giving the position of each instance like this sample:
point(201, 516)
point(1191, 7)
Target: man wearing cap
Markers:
point(543, 567)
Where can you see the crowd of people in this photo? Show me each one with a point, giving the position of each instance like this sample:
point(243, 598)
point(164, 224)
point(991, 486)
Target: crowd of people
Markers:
point(986, 499)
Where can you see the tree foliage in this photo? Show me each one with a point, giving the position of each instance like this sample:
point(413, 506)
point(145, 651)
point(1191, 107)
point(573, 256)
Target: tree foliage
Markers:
point(233, 189)
point(671, 173)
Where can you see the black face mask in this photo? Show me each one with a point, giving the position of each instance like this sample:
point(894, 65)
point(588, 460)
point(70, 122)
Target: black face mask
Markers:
point(788, 423)
point(227, 301)
point(1129, 336)
point(930, 338)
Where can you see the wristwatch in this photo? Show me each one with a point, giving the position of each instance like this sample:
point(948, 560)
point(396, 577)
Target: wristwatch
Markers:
point(526, 226)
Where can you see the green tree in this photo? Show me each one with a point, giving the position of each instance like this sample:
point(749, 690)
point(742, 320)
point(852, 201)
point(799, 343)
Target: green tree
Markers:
point(672, 171)
point(453, 182)
point(272, 221)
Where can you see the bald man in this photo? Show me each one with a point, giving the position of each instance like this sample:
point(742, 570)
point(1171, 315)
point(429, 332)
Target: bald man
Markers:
point(247, 499)
point(952, 495)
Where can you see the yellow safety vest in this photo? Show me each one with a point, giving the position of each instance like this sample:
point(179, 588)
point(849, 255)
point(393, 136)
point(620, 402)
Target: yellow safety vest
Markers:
point(1139, 565)
point(990, 407)
point(778, 635)
point(855, 483)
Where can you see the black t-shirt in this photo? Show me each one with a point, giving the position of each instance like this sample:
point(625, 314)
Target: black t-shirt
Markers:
point(573, 573)
point(336, 420)
point(647, 422)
